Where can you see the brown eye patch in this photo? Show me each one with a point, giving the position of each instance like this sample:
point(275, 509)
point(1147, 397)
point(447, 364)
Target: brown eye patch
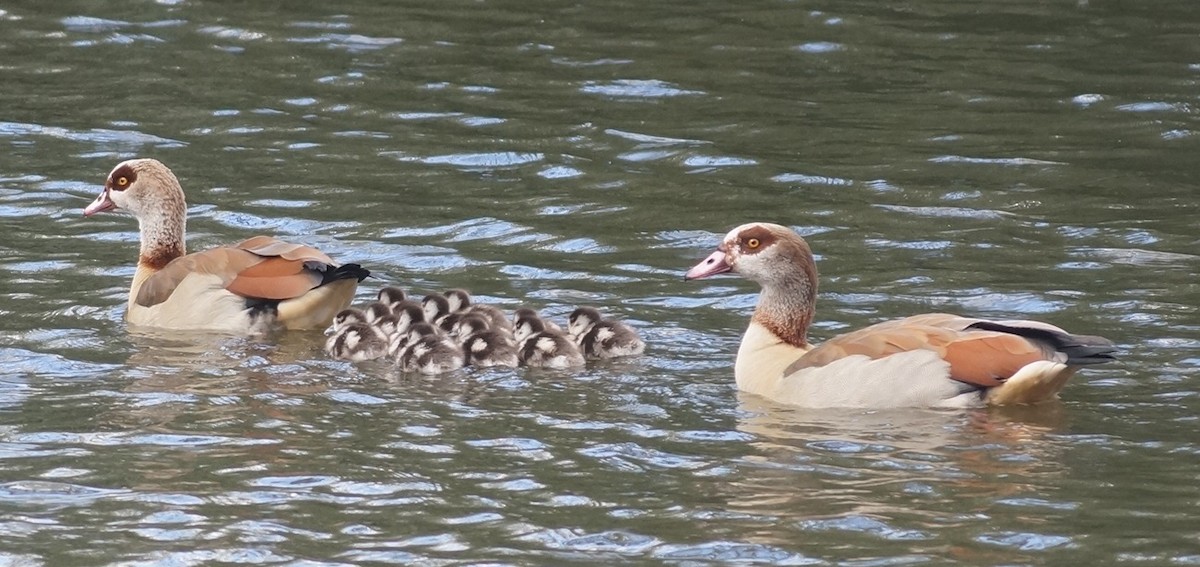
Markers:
point(755, 239)
point(122, 178)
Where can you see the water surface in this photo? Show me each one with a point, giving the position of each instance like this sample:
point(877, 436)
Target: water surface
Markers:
point(1011, 160)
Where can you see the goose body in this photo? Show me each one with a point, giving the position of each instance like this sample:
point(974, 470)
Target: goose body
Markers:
point(600, 337)
point(253, 285)
point(935, 359)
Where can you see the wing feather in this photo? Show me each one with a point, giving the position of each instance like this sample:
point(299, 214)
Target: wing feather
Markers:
point(984, 358)
point(258, 268)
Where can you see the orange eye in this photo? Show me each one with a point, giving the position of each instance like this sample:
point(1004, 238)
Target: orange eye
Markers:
point(752, 243)
point(122, 181)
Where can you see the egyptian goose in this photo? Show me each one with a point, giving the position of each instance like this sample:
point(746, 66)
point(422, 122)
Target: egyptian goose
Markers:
point(935, 359)
point(253, 285)
point(390, 325)
point(600, 337)
point(539, 347)
point(470, 324)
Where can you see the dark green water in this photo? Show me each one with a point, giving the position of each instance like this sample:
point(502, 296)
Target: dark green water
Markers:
point(1014, 159)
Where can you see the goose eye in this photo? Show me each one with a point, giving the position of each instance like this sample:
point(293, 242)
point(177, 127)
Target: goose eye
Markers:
point(752, 243)
point(122, 182)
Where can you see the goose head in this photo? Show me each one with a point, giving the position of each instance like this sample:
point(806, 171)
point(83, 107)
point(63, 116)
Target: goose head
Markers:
point(376, 311)
point(345, 318)
point(781, 262)
point(151, 193)
point(436, 306)
point(527, 327)
point(763, 252)
point(145, 187)
point(457, 299)
point(581, 320)
point(391, 296)
point(469, 325)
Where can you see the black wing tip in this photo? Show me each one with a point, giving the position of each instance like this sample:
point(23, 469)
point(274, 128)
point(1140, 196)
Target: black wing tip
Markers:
point(1080, 349)
point(345, 272)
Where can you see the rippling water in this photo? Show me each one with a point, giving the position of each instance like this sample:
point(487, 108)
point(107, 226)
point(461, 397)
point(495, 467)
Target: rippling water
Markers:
point(1013, 159)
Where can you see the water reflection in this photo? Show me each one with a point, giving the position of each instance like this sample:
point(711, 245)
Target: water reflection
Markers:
point(941, 156)
point(906, 475)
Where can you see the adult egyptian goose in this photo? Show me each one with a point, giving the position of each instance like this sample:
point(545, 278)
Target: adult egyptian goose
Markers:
point(936, 359)
point(602, 337)
point(253, 285)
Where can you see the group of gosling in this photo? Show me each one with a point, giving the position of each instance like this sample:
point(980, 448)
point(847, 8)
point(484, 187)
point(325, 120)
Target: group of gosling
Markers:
point(445, 332)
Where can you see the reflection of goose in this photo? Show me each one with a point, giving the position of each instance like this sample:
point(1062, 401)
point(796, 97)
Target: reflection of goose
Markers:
point(891, 464)
point(934, 359)
point(253, 285)
point(600, 337)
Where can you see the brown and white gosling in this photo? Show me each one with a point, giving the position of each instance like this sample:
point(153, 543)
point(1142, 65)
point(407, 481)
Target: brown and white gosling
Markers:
point(426, 350)
point(484, 346)
point(601, 337)
point(344, 318)
point(390, 296)
point(459, 301)
point(539, 347)
point(357, 342)
point(521, 322)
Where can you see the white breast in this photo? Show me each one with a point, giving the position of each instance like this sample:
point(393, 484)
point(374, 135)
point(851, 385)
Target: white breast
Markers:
point(199, 302)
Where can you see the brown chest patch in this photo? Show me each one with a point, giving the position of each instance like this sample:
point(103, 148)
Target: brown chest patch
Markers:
point(161, 256)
